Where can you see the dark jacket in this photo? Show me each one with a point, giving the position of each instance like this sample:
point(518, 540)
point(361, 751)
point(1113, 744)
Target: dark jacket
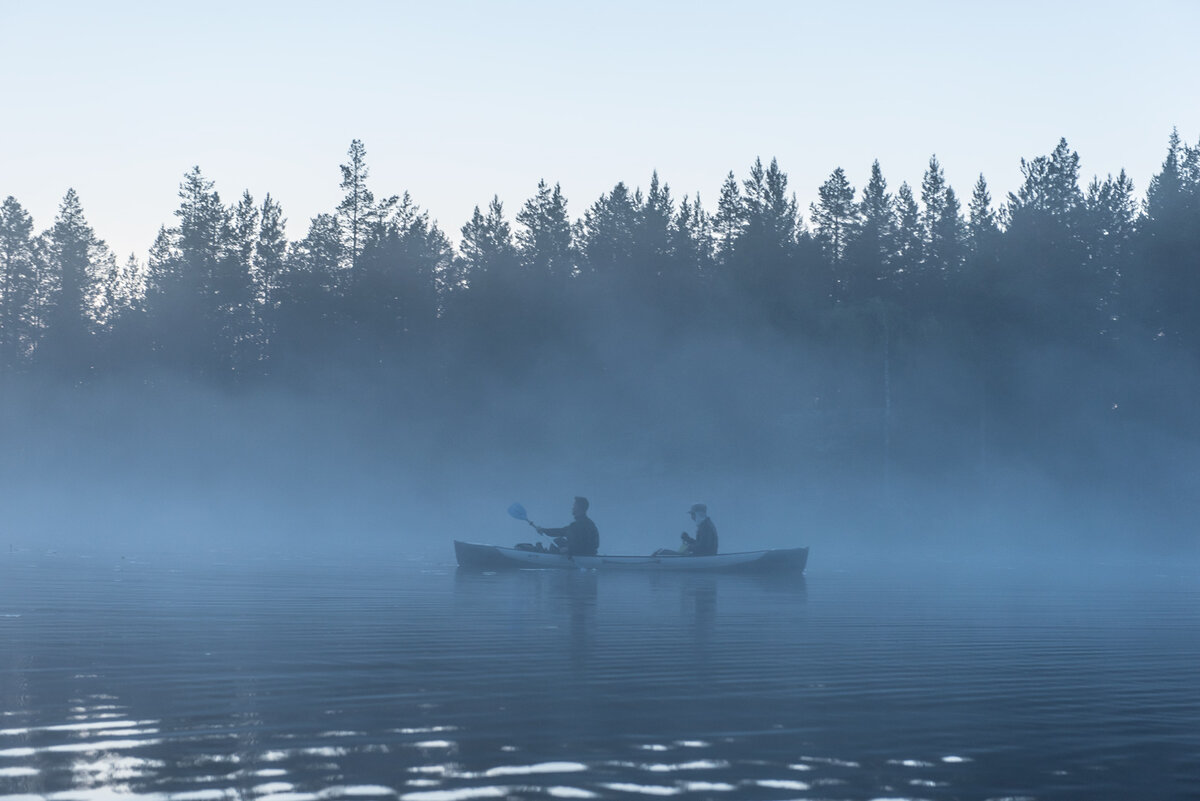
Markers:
point(705, 542)
point(582, 537)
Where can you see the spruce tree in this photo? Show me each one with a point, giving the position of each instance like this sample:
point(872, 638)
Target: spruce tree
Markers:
point(310, 315)
point(692, 243)
point(983, 224)
point(871, 253)
point(909, 240)
point(730, 219)
point(652, 239)
point(608, 232)
point(79, 262)
point(545, 239)
point(270, 250)
point(835, 221)
point(406, 274)
point(19, 275)
point(1112, 215)
point(487, 242)
point(1044, 247)
point(1170, 241)
point(941, 225)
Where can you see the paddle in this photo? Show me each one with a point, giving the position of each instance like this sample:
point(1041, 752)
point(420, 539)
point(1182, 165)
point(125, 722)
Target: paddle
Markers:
point(518, 511)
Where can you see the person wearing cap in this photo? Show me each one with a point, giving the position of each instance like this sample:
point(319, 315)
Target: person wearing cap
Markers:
point(578, 538)
point(705, 541)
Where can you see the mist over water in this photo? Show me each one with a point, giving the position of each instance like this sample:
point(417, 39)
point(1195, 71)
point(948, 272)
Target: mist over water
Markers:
point(348, 462)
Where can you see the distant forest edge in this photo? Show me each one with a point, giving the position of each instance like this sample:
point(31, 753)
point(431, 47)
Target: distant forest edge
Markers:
point(874, 276)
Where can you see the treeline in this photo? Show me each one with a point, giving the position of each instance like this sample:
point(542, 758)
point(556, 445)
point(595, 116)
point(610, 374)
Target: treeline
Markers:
point(226, 293)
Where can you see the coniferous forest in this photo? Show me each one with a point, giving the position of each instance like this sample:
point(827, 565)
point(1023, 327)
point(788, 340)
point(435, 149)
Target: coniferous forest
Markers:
point(898, 329)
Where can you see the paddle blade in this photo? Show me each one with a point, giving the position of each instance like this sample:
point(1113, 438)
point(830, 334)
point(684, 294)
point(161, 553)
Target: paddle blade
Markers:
point(518, 511)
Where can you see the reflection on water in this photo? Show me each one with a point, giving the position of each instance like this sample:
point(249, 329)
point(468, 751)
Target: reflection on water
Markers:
point(293, 682)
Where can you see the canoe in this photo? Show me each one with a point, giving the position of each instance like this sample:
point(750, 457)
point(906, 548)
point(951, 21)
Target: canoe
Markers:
point(498, 557)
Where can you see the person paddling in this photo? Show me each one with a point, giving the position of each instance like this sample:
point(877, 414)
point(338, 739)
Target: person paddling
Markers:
point(578, 538)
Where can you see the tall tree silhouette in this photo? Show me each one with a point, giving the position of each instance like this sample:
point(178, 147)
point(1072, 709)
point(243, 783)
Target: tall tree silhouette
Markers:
point(870, 253)
point(835, 218)
point(1170, 240)
point(765, 264)
point(83, 267)
point(608, 238)
point(943, 231)
point(692, 242)
point(357, 209)
point(406, 272)
point(1111, 212)
point(652, 243)
point(489, 260)
point(729, 221)
point(311, 311)
point(487, 244)
point(544, 240)
point(909, 241)
point(19, 275)
point(270, 265)
point(1044, 246)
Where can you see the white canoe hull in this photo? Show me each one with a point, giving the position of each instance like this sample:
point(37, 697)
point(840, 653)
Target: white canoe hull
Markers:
point(497, 557)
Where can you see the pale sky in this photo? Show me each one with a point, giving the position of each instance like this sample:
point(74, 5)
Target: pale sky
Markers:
point(457, 101)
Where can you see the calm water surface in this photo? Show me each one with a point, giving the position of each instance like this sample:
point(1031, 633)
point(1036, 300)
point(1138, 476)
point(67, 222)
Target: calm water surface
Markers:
point(278, 680)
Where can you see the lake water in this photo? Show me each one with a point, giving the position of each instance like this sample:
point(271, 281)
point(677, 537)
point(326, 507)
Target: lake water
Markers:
point(214, 678)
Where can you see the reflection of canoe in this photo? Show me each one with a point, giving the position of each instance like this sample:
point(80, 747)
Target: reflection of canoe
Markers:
point(496, 557)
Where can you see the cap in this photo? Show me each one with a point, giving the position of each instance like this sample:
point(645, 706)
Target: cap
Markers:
point(698, 507)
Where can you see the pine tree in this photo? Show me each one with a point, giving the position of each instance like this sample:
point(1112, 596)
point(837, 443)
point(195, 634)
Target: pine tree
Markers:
point(771, 217)
point(608, 232)
point(652, 238)
point(545, 239)
point(730, 220)
point(1044, 246)
point(871, 252)
point(357, 209)
point(229, 293)
point(310, 315)
point(692, 243)
point(941, 223)
point(405, 277)
point(1112, 215)
point(203, 228)
point(983, 224)
point(835, 218)
point(123, 289)
point(487, 249)
point(270, 265)
point(1164, 198)
point(909, 240)
point(979, 285)
point(164, 272)
point(19, 275)
point(270, 249)
point(82, 270)
point(488, 263)
point(1169, 239)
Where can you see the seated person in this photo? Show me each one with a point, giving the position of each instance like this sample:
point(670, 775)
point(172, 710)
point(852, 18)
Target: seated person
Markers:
point(705, 541)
